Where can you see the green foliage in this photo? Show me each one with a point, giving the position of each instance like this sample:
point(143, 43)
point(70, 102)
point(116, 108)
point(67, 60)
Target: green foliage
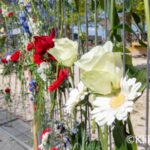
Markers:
point(121, 137)
point(78, 140)
point(139, 74)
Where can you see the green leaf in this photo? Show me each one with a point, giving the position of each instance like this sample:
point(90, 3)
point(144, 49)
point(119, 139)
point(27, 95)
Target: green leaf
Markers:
point(128, 5)
point(140, 75)
point(119, 137)
point(114, 20)
point(93, 145)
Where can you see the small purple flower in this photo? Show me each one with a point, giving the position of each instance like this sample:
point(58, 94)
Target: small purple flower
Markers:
point(32, 84)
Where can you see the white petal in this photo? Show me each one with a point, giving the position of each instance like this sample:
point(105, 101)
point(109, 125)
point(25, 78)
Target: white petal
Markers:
point(8, 57)
point(101, 116)
point(121, 116)
point(136, 87)
point(111, 120)
point(108, 46)
point(102, 122)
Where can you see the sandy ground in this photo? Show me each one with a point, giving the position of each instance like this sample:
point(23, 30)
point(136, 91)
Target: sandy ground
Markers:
point(20, 106)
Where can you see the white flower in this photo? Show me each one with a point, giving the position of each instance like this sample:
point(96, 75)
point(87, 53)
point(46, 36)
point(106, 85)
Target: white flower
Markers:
point(41, 147)
point(65, 51)
point(8, 57)
point(75, 96)
point(4, 10)
point(107, 109)
point(45, 138)
point(34, 26)
point(101, 69)
point(41, 69)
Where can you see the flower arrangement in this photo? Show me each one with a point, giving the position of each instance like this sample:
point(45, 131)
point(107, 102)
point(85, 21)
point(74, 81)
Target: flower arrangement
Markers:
point(76, 95)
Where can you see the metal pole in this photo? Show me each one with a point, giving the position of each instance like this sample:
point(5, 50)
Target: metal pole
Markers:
point(96, 23)
point(123, 40)
point(147, 100)
point(86, 23)
point(105, 13)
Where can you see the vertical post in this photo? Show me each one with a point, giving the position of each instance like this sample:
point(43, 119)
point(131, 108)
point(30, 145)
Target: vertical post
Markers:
point(95, 4)
point(29, 77)
point(147, 14)
point(123, 40)
point(105, 13)
point(86, 23)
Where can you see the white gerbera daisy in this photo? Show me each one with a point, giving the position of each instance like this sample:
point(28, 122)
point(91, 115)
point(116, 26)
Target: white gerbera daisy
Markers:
point(75, 96)
point(107, 109)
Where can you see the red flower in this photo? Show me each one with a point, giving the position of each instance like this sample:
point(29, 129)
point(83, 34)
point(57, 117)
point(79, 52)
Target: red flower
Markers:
point(62, 75)
point(0, 10)
point(38, 58)
point(47, 130)
point(44, 43)
point(10, 14)
point(30, 46)
point(15, 56)
point(4, 60)
point(54, 148)
point(7, 90)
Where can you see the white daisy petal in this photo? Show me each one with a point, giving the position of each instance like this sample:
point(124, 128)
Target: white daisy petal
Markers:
point(111, 120)
point(101, 117)
point(107, 109)
point(102, 122)
point(75, 96)
point(103, 102)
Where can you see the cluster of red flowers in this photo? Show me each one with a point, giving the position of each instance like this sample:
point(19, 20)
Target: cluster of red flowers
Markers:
point(41, 45)
point(62, 75)
point(13, 58)
point(7, 90)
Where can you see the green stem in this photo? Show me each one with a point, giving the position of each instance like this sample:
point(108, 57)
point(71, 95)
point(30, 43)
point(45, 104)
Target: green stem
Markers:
point(72, 77)
point(53, 104)
point(106, 137)
point(131, 131)
point(101, 137)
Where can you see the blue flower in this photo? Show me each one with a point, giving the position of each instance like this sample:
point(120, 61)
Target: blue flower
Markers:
point(24, 22)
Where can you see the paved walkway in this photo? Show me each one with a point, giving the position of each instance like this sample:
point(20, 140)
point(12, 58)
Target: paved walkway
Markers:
point(15, 134)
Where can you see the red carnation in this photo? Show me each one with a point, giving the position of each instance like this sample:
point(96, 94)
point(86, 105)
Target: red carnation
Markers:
point(62, 75)
point(47, 130)
point(54, 148)
point(44, 43)
point(30, 46)
point(4, 60)
point(38, 58)
point(7, 90)
point(10, 14)
point(15, 56)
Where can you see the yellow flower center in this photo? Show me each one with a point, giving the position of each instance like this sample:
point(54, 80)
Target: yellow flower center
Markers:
point(117, 101)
